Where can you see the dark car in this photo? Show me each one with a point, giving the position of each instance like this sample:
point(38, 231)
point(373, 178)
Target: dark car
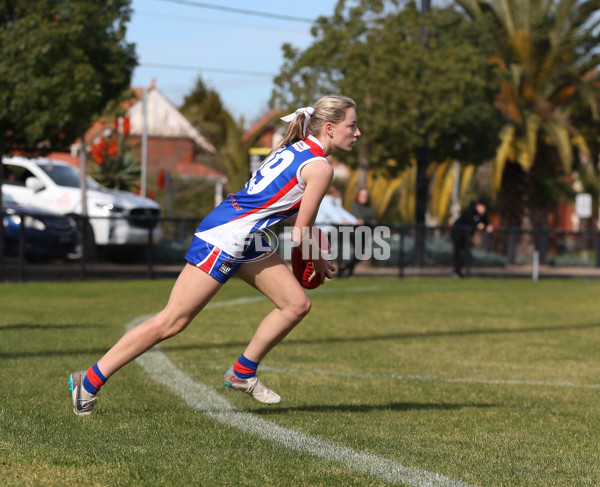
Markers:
point(47, 235)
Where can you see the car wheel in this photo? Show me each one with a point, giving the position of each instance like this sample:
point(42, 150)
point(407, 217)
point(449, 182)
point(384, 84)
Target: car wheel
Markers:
point(86, 241)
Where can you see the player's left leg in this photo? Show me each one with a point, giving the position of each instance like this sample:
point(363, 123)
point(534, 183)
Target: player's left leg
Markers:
point(272, 277)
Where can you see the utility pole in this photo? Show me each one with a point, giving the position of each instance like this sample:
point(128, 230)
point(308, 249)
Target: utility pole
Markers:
point(83, 179)
point(2, 146)
point(422, 185)
point(144, 174)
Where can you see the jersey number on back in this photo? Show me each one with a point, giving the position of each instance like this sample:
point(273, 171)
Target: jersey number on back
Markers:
point(269, 171)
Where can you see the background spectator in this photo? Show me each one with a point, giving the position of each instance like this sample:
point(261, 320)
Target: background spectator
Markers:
point(471, 219)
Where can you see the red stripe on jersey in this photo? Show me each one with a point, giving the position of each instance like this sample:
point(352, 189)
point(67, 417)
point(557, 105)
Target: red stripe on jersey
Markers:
point(207, 264)
point(315, 148)
point(283, 191)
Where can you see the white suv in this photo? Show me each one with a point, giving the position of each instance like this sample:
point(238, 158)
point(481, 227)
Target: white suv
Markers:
point(116, 217)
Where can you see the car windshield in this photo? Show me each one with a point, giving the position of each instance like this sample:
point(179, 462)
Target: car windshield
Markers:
point(8, 199)
point(66, 176)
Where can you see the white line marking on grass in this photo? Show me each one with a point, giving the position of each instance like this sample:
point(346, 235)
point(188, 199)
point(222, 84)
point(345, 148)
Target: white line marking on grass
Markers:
point(420, 378)
point(355, 289)
point(235, 302)
point(255, 299)
point(203, 398)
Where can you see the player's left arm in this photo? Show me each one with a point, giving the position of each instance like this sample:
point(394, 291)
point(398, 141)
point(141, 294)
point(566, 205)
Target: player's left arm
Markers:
point(318, 176)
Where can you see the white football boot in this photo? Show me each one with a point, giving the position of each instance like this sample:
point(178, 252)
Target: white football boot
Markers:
point(252, 386)
point(83, 401)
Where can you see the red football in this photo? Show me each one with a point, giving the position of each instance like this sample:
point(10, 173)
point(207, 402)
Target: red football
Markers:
point(303, 268)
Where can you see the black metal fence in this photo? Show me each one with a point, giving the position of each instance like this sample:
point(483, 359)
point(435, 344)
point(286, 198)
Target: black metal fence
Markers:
point(504, 247)
point(501, 248)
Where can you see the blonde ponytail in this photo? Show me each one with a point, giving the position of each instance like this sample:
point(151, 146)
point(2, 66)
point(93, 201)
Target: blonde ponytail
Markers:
point(330, 108)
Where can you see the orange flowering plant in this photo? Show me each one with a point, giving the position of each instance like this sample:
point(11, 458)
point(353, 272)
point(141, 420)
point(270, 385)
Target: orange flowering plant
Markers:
point(117, 165)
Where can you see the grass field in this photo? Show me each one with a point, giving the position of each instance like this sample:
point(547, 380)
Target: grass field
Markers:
point(409, 382)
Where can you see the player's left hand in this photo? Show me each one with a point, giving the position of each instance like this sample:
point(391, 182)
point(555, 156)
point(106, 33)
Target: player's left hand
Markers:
point(324, 268)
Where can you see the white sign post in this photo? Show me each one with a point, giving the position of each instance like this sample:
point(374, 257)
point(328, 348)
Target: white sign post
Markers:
point(583, 205)
point(583, 209)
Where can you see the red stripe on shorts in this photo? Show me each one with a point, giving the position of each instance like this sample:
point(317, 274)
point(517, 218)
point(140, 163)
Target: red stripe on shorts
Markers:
point(207, 264)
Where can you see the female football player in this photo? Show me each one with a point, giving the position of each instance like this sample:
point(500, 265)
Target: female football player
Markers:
point(290, 184)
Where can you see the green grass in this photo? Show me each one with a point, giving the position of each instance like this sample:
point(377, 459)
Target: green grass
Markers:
point(491, 382)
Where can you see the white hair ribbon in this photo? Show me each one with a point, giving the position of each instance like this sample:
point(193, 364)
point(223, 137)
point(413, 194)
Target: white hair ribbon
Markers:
point(308, 112)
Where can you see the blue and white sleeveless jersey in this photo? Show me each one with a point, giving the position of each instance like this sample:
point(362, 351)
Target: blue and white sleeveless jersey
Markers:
point(273, 193)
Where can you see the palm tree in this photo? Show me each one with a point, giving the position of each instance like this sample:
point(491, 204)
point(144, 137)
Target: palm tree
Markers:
point(447, 177)
point(546, 52)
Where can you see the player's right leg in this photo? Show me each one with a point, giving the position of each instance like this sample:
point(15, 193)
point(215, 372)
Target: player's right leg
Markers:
point(83, 401)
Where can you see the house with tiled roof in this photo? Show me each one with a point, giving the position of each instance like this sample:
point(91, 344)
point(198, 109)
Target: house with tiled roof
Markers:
point(173, 144)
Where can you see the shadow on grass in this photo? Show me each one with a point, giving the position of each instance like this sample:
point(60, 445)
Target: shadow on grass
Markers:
point(390, 336)
point(366, 408)
point(37, 326)
point(289, 341)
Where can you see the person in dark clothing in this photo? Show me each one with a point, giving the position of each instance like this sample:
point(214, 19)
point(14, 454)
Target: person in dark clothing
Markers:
point(471, 219)
point(362, 210)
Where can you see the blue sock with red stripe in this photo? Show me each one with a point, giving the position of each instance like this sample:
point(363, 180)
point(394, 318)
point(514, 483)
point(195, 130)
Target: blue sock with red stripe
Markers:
point(245, 368)
point(94, 379)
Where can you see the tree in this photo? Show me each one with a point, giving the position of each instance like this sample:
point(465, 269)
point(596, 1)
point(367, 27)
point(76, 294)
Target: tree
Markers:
point(372, 52)
point(204, 109)
point(61, 61)
point(233, 159)
point(546, 55)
